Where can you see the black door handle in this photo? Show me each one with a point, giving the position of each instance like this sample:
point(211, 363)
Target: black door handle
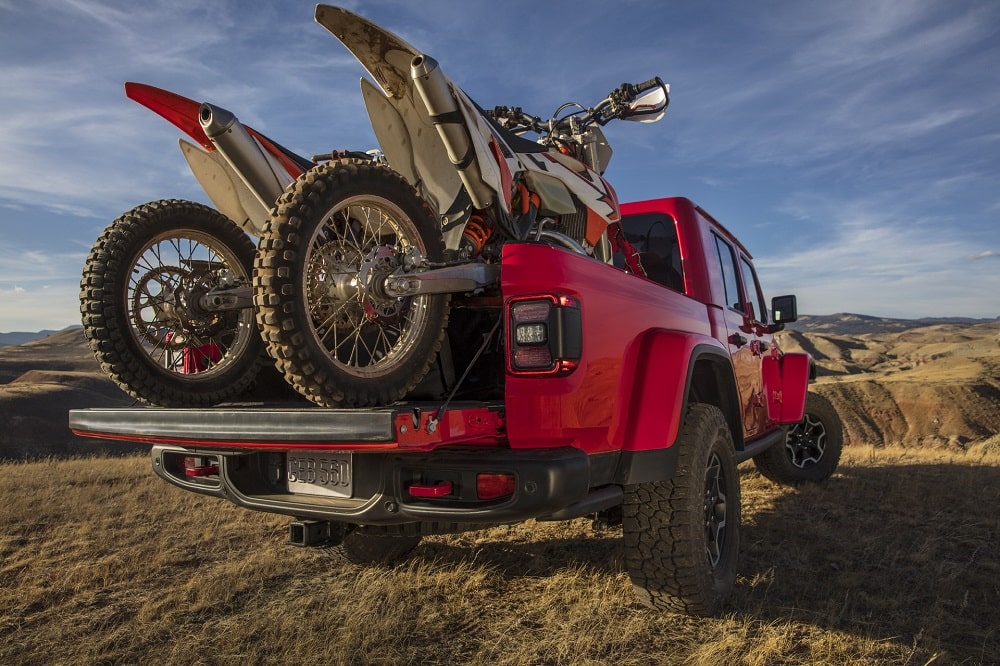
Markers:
point(737, 339)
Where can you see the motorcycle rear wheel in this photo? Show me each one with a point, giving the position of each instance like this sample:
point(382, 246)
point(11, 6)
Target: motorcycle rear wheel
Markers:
point(139, 304)
point(332, 238)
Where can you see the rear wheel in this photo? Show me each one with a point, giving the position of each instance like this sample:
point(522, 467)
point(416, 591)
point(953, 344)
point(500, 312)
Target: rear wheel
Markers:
point(811, 450)
point(334, 237)
point(142, 300)
point(682, 535)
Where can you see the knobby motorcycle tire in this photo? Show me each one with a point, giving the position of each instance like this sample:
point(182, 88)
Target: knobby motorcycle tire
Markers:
point(293, 338)
point(104, 307)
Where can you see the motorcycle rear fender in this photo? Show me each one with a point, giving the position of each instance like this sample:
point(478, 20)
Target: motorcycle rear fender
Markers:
point(219, 180)
point(387, 58)
point(225, 188)
point(412, 148)
point(786, 382)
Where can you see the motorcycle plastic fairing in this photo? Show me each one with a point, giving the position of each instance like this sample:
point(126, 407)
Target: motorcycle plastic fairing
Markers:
point(412, 148)
point(225, 188)
point(387, 58)
point(384, 55)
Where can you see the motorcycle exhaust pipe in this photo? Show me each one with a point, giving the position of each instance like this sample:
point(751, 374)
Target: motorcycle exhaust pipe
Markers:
point(450, 123)
point(242, 153)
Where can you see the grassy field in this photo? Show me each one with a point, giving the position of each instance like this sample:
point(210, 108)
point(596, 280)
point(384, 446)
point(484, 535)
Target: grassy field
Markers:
point(893, 561)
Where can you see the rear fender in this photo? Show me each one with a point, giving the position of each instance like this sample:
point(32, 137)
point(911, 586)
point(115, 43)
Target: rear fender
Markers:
point(786, 382)
point(657, 383)
point(218, 178)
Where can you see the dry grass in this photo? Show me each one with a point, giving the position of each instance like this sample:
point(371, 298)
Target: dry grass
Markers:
point(893, 561)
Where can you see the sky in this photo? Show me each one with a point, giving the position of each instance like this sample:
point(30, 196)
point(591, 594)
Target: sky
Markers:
point(853, 146)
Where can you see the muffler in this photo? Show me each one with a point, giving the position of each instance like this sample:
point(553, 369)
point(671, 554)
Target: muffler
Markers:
point(243, 154)
point(450, 123)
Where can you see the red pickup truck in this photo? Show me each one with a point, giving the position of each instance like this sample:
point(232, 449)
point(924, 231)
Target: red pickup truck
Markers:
point(626, 398)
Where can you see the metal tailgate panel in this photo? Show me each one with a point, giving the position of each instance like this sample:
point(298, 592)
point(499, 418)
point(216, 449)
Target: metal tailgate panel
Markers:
point(237, 425)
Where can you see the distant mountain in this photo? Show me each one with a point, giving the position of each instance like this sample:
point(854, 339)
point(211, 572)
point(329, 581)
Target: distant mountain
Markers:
point(846, 323)
point(20, 337)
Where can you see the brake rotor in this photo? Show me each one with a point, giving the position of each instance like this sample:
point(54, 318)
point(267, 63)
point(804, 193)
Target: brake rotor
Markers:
point(379, 307)
point(159, 286)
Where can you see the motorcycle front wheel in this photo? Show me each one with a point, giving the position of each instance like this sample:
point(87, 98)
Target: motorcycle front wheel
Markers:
point(141, 301)
point(332, 239)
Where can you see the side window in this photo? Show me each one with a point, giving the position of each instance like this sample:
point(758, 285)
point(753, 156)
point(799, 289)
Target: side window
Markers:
point(752, 285)
point(727, 260)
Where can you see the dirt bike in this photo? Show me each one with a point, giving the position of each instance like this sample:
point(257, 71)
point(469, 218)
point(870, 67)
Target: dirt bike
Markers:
point(166, 294)
point(360, 253)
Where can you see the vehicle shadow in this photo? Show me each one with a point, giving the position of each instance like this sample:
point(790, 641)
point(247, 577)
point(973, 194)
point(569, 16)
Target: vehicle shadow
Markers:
point(907, 553)
point(535, 549)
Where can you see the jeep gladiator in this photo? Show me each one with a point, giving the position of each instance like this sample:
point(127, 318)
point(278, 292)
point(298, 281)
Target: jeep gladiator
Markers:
point(605, 394)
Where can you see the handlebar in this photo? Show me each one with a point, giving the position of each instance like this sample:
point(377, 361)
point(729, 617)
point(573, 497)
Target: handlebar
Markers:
point(633, 90)
point(613, 106)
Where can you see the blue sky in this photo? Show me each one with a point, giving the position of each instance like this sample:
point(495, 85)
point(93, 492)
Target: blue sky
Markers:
point(853, 146)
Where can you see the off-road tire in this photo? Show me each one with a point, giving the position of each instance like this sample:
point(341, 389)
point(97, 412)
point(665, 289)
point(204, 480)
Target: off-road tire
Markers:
point(811, 450)
point(285, 299)
point(670, 526)
point(108, 287)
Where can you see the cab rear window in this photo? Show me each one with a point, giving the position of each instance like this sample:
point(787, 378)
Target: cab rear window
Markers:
point(654, 236)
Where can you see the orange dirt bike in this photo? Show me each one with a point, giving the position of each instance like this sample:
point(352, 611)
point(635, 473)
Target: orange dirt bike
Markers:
point(358, 254)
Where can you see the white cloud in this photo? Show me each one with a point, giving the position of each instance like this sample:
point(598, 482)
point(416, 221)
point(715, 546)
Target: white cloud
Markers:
point(38, 308)
point(985, 254)
point(873, 261)
point(815, 105)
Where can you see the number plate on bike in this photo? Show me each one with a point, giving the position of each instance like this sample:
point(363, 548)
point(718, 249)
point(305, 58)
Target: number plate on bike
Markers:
point(327, 474)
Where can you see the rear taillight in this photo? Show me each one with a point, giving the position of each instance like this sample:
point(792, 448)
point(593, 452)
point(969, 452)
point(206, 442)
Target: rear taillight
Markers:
point(201, 466)
point(545, 334)
point(494, 486)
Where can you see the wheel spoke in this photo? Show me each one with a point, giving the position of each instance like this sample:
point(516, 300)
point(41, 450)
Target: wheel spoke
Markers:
point(156, 282)
point(715, 510)
point(371, 334)
point(806, 442)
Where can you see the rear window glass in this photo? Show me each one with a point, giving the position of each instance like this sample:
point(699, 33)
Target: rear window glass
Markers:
point(654, 236)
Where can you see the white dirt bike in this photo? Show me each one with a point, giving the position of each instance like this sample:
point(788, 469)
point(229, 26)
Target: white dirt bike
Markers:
point(359, 253)
point(355, 269)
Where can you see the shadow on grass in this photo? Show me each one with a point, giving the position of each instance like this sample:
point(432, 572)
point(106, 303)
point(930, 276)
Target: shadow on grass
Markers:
point(901, 553)
point(904, 552)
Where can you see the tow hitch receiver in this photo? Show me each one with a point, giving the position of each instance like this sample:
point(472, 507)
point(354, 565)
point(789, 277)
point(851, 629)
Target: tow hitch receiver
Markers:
point(304, 533)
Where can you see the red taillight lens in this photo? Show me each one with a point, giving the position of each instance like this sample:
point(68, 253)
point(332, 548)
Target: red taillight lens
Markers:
point(201, 466)
point(532, 310)
point(545, 334)
point(494, 486)
point(532, 357)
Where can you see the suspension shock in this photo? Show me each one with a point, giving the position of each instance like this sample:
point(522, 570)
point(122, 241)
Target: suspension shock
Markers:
point(478, 231)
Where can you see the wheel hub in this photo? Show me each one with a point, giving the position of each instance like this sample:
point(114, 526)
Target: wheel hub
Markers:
point(806, 442)
point(715, 511)
point(379, 307)
point(332, 285)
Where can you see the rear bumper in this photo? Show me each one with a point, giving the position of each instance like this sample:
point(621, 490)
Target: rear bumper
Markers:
point(547, 482)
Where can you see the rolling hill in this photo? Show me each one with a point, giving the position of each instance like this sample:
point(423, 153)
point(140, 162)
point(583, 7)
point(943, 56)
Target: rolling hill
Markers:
point(910, 382)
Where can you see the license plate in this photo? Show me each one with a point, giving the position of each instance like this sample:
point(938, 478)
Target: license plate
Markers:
point(327, 474)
